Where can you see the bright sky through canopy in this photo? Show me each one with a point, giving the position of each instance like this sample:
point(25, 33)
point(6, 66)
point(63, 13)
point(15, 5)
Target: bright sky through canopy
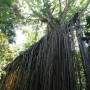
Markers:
point(20, 37)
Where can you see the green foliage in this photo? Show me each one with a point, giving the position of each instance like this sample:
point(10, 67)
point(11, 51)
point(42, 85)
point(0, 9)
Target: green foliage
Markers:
point(48, 9)
point(7, 18)
point(6, 2)
point(88, 21)
point(31, 37)
point(80, 73)
point(6, 53)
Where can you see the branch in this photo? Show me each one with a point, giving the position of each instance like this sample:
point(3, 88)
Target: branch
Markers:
point(60, 6)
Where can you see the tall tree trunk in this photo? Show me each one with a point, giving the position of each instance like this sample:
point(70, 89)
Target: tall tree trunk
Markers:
point(84, 53)
point(47, 65)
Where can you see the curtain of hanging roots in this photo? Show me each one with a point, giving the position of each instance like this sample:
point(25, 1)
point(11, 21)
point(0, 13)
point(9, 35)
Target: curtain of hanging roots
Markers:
point(47, 65)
